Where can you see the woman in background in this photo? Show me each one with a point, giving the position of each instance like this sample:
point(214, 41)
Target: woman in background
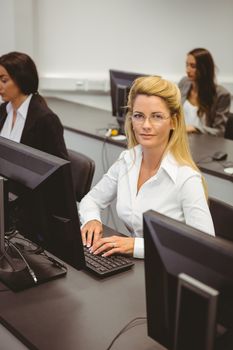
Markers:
point(24, 115)
point(206, 104)
point(156, 172)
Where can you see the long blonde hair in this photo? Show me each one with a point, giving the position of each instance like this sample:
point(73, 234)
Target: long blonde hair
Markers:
point(170, 93)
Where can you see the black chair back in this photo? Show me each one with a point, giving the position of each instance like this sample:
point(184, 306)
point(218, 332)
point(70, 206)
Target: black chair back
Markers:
point(229, 127)
point(82, 168)
point(222, 215)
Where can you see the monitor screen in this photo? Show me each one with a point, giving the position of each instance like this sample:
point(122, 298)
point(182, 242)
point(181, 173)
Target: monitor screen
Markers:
point(172, 248)
point(42, 205)
point(120, 84)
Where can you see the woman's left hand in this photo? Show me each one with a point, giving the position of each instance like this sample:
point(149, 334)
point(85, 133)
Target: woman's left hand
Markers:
point(113, 245)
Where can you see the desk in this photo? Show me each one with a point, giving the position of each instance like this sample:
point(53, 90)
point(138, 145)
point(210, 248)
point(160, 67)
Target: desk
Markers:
point(79, 312)
point(204, 146)
point(220, 184)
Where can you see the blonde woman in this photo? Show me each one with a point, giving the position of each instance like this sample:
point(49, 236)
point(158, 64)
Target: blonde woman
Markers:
point(156, 172)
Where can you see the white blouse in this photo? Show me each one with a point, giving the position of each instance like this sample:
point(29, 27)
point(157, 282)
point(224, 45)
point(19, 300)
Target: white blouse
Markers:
point(175, 190)
point(15, 133)
point(192, 118)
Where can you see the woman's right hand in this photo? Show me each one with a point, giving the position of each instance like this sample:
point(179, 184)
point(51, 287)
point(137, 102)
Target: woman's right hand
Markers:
point(191, 129)
point(91, 232)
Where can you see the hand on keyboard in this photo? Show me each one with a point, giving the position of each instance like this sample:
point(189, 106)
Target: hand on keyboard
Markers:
point(106, 266)
point(91, 231)
point(113, 245)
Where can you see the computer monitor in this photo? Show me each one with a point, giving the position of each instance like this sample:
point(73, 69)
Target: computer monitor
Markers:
point(120, 84)
point(42, 203)
point(172, 248)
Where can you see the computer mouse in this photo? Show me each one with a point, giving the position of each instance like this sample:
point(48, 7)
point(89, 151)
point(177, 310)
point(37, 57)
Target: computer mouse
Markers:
point(228, 170)
point(219, 155)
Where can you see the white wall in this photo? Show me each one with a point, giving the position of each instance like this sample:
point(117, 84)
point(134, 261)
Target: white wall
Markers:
point(7, 27)
point(85, 38)
point(75, 42)
point(24, 26)
point(17, 26)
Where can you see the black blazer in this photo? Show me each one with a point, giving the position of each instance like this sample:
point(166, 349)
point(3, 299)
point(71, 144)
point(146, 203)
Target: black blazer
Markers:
point(42, 130)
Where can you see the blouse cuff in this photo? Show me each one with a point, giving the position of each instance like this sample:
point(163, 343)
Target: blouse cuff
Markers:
point(138, 248)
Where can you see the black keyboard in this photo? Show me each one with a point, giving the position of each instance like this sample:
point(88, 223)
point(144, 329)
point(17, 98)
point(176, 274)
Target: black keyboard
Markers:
point(106, 266)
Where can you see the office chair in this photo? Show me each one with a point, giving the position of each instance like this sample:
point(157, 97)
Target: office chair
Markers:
point(82, 168)
point(229, 127)
point(222, 215)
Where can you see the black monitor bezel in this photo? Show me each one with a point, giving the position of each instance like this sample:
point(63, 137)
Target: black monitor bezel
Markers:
point(121, 79)
point(66, 242)
point(161, 280)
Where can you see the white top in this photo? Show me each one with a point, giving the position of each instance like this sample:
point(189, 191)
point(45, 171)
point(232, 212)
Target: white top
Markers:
point(15, 133)
point(191, 116)
point(175, 191)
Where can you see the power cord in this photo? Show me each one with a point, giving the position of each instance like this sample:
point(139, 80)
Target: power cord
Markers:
point(128, 326)
point(6, 250)
point(55, 262)
point(204, 160)
point(40, 251)
point(12, 233)
point(32, 273)
point(37, 250)
point(31, 248)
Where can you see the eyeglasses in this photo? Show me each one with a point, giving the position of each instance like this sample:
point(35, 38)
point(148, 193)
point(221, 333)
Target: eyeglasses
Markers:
point(155, 118)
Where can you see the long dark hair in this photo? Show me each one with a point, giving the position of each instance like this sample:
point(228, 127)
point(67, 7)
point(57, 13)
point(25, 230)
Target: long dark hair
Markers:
point(205, 80)
point(22, 71)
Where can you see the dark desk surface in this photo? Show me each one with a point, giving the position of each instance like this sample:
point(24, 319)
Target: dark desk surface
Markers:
point(204, 146)
point(79, 311)
point(85, 120)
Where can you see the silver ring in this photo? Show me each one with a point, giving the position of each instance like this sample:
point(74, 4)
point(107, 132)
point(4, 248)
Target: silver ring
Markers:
point(113, 245)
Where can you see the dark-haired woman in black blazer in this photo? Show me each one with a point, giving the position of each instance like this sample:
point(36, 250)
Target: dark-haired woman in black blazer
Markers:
point(24, 115)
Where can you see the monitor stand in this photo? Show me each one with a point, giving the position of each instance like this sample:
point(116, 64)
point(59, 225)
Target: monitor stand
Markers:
point(20, 271)
point(121, 123)
point(195, 326)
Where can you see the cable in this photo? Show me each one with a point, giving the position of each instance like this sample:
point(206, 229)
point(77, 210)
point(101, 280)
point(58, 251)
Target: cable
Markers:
point(54, 261)
point(128, 326)
point(40, 251)
point(10, 234)
point(35, 248)
point(206, 159)
point(32, 273)
point(3, 255)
